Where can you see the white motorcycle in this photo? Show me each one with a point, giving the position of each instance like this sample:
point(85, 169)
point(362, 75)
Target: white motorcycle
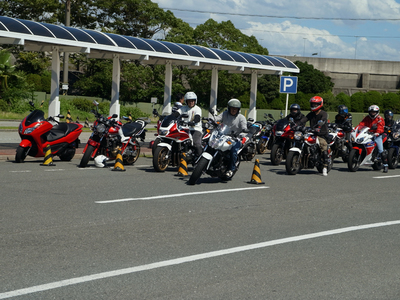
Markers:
point(364, 151)
point(215, 159)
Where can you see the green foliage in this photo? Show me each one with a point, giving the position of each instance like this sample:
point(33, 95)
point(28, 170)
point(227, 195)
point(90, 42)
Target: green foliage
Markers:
point(344, 99)
point(391, 101)
point(371, 98)
point(32, 62)
point(260, 104)
point(357, 102)
point(82, 104)
point(133, 111)
point(311, 80)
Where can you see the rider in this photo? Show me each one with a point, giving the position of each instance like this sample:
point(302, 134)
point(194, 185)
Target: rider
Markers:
point(377, 125)
point(344, 120)
point(180, 100)
point(389, 122)
point(314, 116)
point(194, 120)
point(295, 113)
point(238, 124)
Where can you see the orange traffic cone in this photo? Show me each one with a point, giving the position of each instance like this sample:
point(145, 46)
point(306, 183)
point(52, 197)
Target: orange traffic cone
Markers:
point(118, 162)
point(48, 157)
point(182, 171)
point(256, 177)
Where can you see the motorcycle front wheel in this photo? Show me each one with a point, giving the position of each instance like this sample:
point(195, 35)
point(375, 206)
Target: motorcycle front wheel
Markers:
point(393, 159)
point(161, 159)
point(21, 154)
point(276, 154)
point(353, 162)
point(292, 163)
point(86, 156)
point(198, 170)
point(130, 154)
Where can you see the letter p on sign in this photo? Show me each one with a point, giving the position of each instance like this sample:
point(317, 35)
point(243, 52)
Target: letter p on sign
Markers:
point(288, 85)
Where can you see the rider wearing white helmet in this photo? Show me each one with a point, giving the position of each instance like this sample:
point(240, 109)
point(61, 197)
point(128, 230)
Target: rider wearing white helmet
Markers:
point(194, 119)
point(377, 125)
point(238, 124)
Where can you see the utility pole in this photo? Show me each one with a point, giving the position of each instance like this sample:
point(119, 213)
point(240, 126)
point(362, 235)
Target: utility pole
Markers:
point(66, 54)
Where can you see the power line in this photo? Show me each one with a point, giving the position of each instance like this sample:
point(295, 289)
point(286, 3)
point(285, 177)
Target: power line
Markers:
point(283, 17)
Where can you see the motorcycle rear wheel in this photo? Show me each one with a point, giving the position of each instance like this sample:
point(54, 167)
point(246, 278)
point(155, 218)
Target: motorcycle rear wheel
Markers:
point(161, 159)
point(21, 154)
point(262, 146)
point(86, 156)
point(276, 154)
point(68, 155)
point(393, 159)
point(130, 155)
point(292, 163)
point(353, 162)
point(198, 170)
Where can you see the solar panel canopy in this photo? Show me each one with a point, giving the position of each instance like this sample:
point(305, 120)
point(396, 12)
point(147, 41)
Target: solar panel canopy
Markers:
point(36, 36)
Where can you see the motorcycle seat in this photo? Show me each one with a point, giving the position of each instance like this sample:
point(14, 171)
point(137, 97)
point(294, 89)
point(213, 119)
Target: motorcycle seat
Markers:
point(60, 130)
point(130, 129)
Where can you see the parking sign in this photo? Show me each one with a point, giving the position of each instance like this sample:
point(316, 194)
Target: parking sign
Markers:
point(288, 85)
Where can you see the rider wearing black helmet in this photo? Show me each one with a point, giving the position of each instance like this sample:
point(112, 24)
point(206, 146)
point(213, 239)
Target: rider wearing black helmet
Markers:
point(344, 120)
point(295, 113)
point(388, 114)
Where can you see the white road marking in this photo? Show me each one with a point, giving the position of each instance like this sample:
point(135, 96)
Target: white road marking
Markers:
point(23, 171)
point(387, 176)
point(52, 170)
point(186, 259)
point(180, 195)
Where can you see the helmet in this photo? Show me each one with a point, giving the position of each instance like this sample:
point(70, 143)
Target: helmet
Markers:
point(316, 103)
point(294, 110)
point(343, 110)
point(388, 114)
point(235, 103)
point(100, 161)
point(373, 111)
point(191, 96)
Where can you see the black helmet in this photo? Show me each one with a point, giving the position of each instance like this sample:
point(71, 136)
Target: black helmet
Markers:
point(388, 114)
point(294, 110)
point(343, 110)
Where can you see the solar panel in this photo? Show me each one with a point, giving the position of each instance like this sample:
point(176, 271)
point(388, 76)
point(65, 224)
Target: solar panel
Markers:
point(37, 28)
point(14, 26)
point(223, 55)
point(80, 35)
point(99, 37)
point(206, 52)
point(121, 41)
point(158, 47)
point(250, 58)
point(264, 60)
point(175, 49)
point(192, 51)
point(60, 32)
point(287, 63)
point(140, 43)
point(276, 62)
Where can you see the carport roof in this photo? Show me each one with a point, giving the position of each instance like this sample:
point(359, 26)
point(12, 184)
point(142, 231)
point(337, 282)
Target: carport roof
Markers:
point(37, 36)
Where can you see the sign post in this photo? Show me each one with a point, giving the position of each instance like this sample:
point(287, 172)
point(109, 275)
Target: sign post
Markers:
point(288, 85)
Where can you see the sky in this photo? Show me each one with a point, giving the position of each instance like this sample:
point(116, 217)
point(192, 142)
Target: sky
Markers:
point(351, 29)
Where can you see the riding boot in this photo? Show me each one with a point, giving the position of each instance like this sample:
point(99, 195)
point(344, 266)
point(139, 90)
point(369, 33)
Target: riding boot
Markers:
point(384, 156)
point(325, 158)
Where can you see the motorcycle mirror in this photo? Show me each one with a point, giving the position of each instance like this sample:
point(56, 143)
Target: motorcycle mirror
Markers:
point(321, 122)
point(271, 116)
point(251, 120)
point(95, 103)
point(31, 103)
point(211, 111)
point(185, 116)
point(114, 116)
point(291, 119)
point(61, 116)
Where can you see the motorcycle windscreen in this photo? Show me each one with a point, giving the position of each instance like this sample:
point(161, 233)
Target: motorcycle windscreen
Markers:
point(34, 117)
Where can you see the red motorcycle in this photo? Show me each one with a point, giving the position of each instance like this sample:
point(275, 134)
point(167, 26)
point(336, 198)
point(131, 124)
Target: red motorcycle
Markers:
point(173, 139)
point(37, 132)
point(283, 134)
point(109, 136)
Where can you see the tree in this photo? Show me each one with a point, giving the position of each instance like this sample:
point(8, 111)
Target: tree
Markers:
point(371, 98)
point(391, 101)
point(357, 102)
point(311, 80)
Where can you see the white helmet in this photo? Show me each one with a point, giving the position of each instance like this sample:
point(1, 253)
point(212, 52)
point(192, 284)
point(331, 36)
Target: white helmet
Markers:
point(100, 161)
point(190, 96)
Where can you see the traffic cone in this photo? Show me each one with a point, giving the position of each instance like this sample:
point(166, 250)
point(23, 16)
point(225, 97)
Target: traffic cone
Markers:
point(86, 123)
point(48, 157)
point(69, 119)
point(182, 171)
point(77, 120)
point(256, 177)
point(118, 162)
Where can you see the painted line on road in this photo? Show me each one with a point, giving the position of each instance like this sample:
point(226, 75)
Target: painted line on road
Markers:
point(23, 171)
point(180, 195)
point(186, 259)
point(52, 170)
point(387, 176)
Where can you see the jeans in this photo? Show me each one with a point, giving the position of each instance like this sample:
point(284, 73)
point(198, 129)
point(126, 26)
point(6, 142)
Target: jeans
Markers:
point(379, 143)
point(234, 155)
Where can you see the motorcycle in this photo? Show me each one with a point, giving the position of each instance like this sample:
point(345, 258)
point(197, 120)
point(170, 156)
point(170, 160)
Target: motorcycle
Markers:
point(216, 157)
point(250, 142)
point(364, 150)
point(265, 138)
point(36, 132)
point(306, 152)
point(110, 136)
point(283, 140)
point(393, 144)
point(342, 145)
point(173, 139)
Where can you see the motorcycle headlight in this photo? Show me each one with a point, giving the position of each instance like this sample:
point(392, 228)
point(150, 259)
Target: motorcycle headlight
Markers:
point(360, 140)
point(396, 135)
point(101, 128)
point(279, 133)
point(268, 127)
point(298, 135)
point(163, 132)
point(29, 130)
point(352, 139)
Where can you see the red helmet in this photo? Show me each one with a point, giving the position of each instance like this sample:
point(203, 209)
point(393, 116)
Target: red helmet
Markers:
point(316, 103)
